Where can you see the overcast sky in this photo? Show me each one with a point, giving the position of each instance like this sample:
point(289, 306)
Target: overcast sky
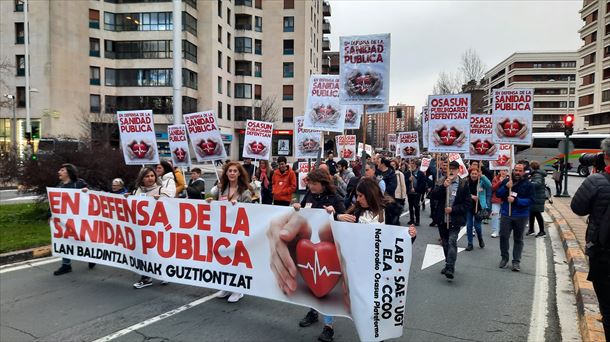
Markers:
point(430, 36)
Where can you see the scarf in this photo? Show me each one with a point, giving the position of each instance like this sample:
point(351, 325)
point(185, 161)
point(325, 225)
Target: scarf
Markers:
point(264, 179)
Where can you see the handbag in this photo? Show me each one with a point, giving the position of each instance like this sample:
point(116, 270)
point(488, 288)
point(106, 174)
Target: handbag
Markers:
point(482, 214)
point(556, 176)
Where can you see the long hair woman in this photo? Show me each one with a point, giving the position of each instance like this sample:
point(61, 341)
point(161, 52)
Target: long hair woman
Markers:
point(264, 174)
point(165, 172)
point(370, 204)
point(234, 187)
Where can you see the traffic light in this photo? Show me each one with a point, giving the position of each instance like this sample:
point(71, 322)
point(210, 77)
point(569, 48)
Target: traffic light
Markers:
point(568, 124)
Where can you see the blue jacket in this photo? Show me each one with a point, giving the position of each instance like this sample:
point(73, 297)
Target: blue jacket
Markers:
point(525, 198)
point(484, 193)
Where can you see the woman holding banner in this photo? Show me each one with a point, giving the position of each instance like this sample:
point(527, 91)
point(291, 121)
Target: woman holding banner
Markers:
point(264, 175)
point(234, 187)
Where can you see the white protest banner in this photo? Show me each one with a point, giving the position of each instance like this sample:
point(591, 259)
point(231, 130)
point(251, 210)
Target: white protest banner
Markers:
point(449, 121)
point(353, 113)
point(323, 111)
point(205, 136)
point(178, 145)
point(512, 111)
point(360, 149)
point(505, 158)
point(377, 108)
point(481, 145)
point(307, 142)
point(425, 164)
point(425, 119)
point(463, 172)
point(346, 146)
point(365, 69)
point(257, 141)
point(392, 146)
point(408, 144)
point(138, 138)
point(368, 149)
point(302, 172)
point(218, 245)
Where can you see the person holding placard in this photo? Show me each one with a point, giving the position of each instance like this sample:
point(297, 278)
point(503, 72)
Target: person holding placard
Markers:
point(496, 203)
point(517, 196)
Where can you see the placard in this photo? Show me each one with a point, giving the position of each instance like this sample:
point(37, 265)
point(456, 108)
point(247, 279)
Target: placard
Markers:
point(512, 111)
point(353, 114)
point(205, 136)
point(425, 164)
point(307, 142)
point(463, 171)
point(408, 144)
point(506, 158)
point(323, 111)
point(138, 139)
point(481, 145)
point(346, 146)
point(178, 145)
point(257, 141)
point(302, 172)
point(392, 143)
point(425, 118)
point(449, 123)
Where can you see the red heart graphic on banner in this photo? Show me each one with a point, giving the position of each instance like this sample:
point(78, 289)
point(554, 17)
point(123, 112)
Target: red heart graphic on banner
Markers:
point(319, 266)
point(481, 147)
point(502, 160)
point(511, 128)
point(346, 153)
point(140, 149)
point(257, 147)
point(208, 147)
point(447, 136)
point(180, 154)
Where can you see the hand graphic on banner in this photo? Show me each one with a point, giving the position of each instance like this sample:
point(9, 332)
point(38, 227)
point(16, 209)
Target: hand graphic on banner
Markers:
point(141, 150)
point(448, 136)
point(483, 148)
point(209, 147)
point(512, 129)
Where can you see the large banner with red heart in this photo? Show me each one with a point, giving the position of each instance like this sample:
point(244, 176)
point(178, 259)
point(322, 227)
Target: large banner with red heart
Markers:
point(178, 145)
point(353, 114)
point(323, 111)
point(449, 123)
point(346, 146)
point(257, 141)
point(307, 142)
point(513, 111)
point(138, 138)
point(481, 145)
point(408, 144)
point(205, 136)
point(365, 69)
point(359, 271)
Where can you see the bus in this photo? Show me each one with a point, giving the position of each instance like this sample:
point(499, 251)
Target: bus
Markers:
point(545, 149)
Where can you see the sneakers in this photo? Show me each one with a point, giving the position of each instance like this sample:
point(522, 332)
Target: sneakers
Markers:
point(92, 265)
point(224, 294)
point(516, 267)
point(494, 235)
point(235, 297)
point(481, 242)
point(530, 233)
point(433, 224)
point(444, 270)
point(503, 263)
point(144, 282)
point(449, 273)
point(541, 234)
point(411, 222)
point(165, 283)
point(470, 247)
point(327, 334)
point(63, 269)
point(309, 319)
point(416, 223)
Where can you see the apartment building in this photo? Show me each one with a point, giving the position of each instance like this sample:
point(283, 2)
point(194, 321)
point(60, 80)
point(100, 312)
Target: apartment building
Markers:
point(400, 118)
point(593, 107)
point(88, 59)
point(552, 75)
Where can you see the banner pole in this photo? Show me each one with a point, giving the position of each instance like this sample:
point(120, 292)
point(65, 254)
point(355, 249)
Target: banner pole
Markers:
point(447, 216)
point(478, 185)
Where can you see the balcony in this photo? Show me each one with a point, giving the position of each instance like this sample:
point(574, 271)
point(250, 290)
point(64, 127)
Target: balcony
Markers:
point(19, 40)
point(21, 72)
point(325, 44)
point(243, 22)
point(326, 9)
point(326, 26)
point(243, 68)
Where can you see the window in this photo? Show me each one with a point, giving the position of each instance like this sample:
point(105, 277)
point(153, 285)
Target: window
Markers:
point(588, 59)
point(606, 74)
point(220, 59)
point(229, 16)
point(287, 115)
point(94, 47)
point(288, 4)
point(288, 70)
point(258, 24)
point(158, 104)
point(94, 75)
point(228, 111)
point(590, 18)
point(219, 8)
point(243, 68)
point(243, 44)
point(590, 38)
point(189, 50)
point(228, 41)
point(258, 69)
point(288, 47)
point(568, 64)
point(258, 46)
point(288, 24)
point(94, 103)
point(189, 79)
point(243, 91)
point(258, 4)
point(229, 88)
point(19, 33)
point(219, 34)
point(229, 64)
point(288, 93)
point(18, 6)
point(585, 100)
point(243, 113)
point(219, 85)
point(147, 21)
point(606, 51)
point(147, 49)
point(147, 78)
point(20, 65)
point(94, 19)
point(20, 97)
point(243, 3)
point(258, 91)
point(219, 110)
point(588, 79)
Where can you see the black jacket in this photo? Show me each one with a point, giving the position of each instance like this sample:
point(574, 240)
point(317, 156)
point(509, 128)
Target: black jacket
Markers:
point(196, 189)
point(389, 178)
point(420, 180)
point(461, 204)
point(537, 179)
point(319, 201)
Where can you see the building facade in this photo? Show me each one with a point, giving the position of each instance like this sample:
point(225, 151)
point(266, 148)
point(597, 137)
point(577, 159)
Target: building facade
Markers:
point(88, 59)
point(400, 118)
point(593, 106)
point(552, 75)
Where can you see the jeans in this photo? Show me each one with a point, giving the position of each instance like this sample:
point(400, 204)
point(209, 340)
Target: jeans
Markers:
point(601, 286)
point(495, 218)
point(558, 187)
point(472, 221)
point(329, 320)
point(516, 225)
point(449, 241)
point(536, 216)
point(414, 202)
point(266, 196)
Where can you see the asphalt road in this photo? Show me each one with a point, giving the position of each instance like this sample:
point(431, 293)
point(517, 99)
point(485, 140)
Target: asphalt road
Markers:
point(483, 303)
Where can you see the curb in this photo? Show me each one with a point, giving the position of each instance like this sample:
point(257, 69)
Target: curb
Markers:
point(24, 255)
point(589, 317)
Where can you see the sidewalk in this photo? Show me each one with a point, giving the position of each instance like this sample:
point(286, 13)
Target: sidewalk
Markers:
point(572, 229)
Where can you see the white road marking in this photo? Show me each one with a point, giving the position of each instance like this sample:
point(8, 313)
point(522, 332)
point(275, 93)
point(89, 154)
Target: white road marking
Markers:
point(157, 318)
point(28, 264)
point(434, 253)
point(538, 320)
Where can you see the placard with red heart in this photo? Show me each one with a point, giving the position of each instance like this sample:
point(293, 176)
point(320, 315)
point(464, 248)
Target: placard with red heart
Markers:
point(318, 264)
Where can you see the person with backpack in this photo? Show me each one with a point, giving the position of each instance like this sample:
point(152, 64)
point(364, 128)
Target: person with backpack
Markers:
point(593, 198)
point(537, 177)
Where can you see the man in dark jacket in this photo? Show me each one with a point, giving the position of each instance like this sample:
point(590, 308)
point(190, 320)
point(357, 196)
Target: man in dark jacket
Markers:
point(517, 194)
point(454, 201)
point(416, 185)
point(196, 187)
point(537, 177)
point(387, 173)
point(249, 167)
point(330, 162)
point(593, 198)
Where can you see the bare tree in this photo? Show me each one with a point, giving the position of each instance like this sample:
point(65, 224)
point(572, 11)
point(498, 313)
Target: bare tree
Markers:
point(267, 109)
point(471, 66)
point(106, 127)
point(7, 70)
point(447, 83)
